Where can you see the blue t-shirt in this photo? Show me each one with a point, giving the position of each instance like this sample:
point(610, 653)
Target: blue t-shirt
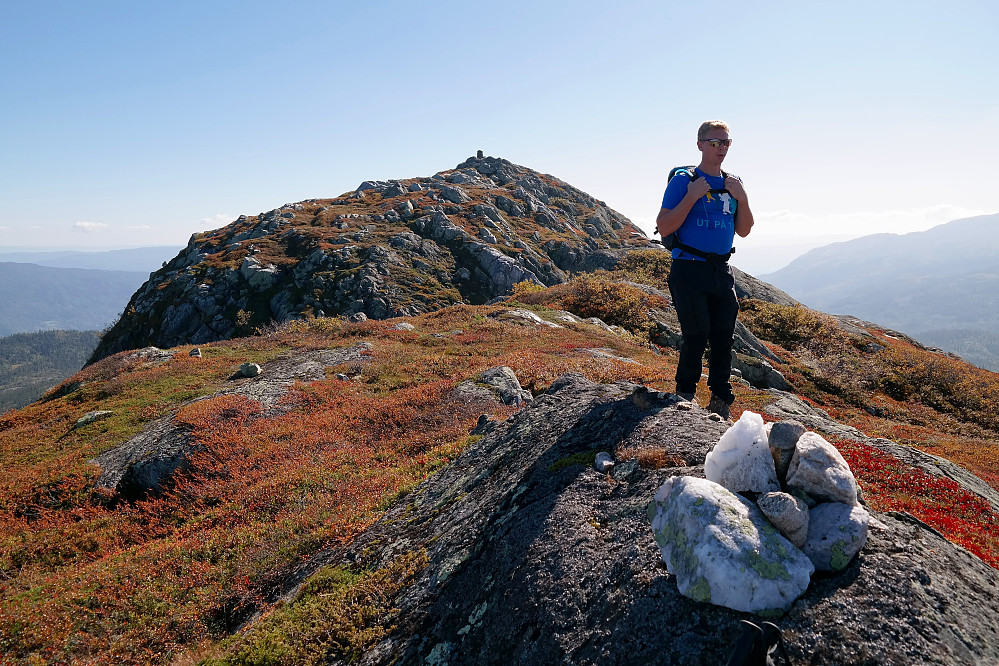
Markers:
point(710, 225)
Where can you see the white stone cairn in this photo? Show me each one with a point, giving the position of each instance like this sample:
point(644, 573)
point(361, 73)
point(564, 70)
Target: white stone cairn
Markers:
point(727, 550)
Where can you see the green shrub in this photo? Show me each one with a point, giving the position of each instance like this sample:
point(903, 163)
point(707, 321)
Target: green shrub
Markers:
point(649, 267)
point(792, 327)
point(598, 295)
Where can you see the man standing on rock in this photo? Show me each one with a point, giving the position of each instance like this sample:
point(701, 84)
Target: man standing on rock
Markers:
point(705, 207)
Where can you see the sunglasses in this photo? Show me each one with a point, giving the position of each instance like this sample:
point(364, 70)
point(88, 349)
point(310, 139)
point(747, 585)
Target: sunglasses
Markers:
point(718, 143)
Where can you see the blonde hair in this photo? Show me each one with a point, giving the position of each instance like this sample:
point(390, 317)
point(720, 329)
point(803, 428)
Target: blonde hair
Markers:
point(707, 126)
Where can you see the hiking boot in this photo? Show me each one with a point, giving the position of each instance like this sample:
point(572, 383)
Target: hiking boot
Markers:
point(719, 407)
point(689, 397)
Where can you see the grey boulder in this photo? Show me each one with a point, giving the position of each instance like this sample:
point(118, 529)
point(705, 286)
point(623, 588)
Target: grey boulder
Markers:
point(788, 514)
point(249, 370)
point(819, 470)
point(783, 438)
point(498, 383)
point(836, 532)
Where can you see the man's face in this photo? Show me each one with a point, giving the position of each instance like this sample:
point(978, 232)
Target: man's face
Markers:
point(715, 144)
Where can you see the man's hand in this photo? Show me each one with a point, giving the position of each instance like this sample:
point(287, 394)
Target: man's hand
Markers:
point(743, 216)
point(735, 188)
point(698, 188)
point(670, 219)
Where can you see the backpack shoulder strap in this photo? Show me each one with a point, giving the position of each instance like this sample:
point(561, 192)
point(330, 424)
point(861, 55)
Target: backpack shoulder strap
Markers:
point(688, 171)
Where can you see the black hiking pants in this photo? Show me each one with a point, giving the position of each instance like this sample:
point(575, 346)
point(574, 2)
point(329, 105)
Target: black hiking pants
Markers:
point(704, 298)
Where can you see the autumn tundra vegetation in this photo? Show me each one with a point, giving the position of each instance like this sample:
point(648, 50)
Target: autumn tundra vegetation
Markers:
point(90, 576)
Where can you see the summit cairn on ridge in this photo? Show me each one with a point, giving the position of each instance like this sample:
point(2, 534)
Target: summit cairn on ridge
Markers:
point(758, 556)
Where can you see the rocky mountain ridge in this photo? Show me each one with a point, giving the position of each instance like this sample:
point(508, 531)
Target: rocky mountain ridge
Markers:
point(389, 248)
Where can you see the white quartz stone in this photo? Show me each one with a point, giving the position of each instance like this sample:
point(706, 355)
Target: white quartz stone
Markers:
point(741, 460)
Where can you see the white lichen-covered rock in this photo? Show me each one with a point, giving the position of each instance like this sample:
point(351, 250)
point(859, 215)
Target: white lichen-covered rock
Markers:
point(521, 316)
point(836, 532)
point(258, 276)
point(567, 317)
point(741, 460)
point(91, 417)
point(788, 514)
point(504, 381)
point(723, 550)
point(819, 470)
point(604, 462)
point(250, 369)
point(499, 383)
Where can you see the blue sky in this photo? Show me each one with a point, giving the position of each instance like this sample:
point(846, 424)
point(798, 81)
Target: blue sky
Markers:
point(129, 123)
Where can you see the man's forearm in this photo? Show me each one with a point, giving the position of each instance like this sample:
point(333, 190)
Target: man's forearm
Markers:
point(743, 219)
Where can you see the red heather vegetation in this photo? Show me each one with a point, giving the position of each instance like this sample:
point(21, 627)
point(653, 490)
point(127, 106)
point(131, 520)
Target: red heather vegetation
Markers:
point(86, 577)
point(886, 385)
point(963, 517)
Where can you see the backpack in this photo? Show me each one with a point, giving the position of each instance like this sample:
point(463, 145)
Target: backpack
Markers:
point(672, 241)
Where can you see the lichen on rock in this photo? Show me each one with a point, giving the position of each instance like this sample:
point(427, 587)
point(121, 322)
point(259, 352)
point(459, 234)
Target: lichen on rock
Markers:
point(722, 549)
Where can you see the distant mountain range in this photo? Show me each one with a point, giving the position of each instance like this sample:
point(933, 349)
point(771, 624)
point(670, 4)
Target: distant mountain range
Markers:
point(940, 286)
point(43, 292)
point(141, 259)
point(37, 298)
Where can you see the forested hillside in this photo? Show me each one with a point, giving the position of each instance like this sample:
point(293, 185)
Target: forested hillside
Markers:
point(32, 363)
